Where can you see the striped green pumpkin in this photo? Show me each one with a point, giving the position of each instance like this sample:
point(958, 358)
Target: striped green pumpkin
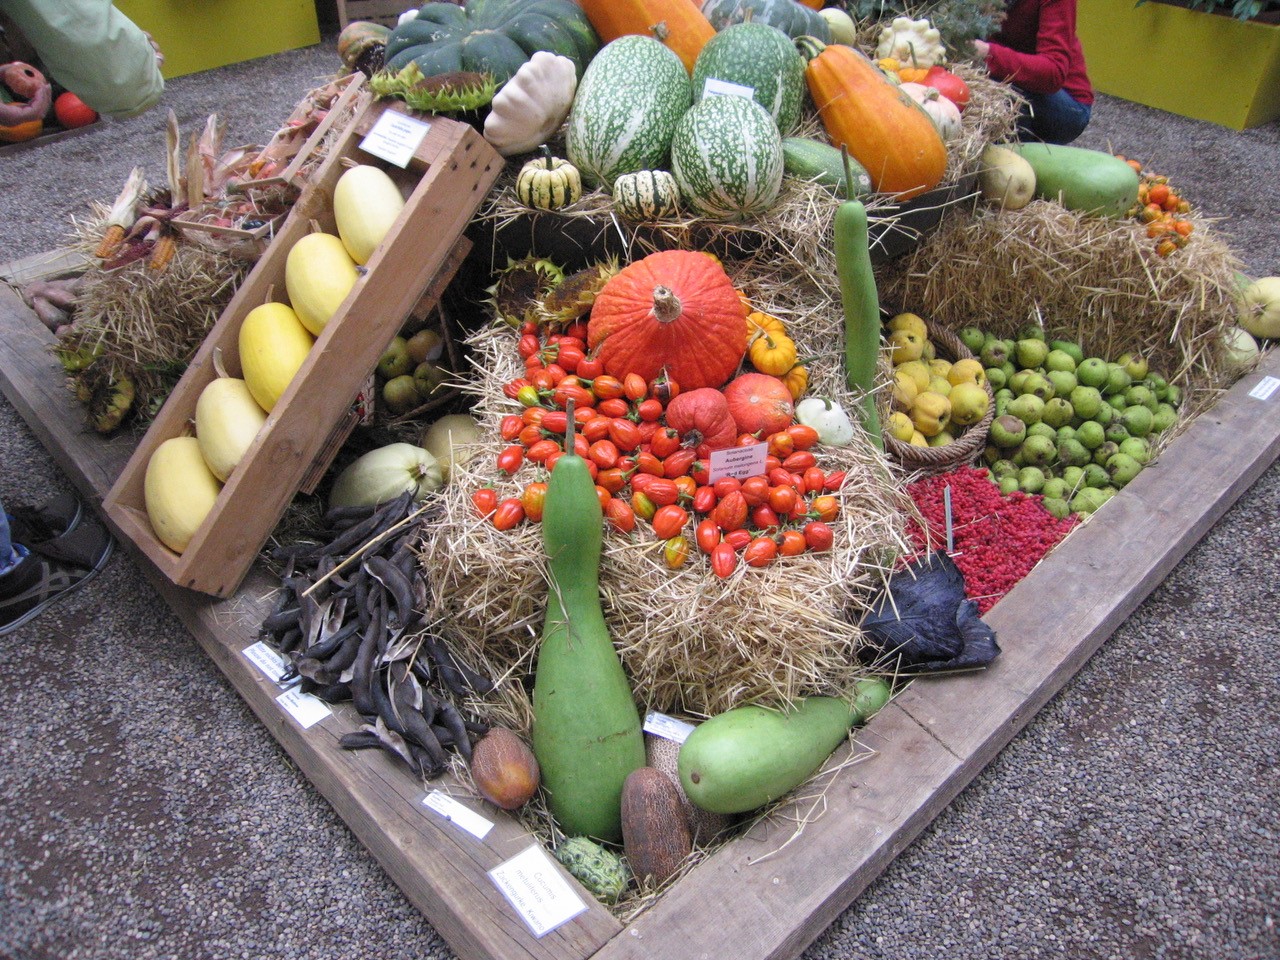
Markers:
point(548, 183)
point(646, 195)
point(726, 156)
point(626, 108)
point(761, 58)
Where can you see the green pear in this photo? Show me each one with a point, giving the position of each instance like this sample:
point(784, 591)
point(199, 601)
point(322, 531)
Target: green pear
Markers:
point(1092, 372)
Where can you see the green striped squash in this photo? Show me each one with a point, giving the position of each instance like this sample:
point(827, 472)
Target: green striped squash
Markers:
point(808, 159)
point(726, 156)
point(646, 195)
point(791, 17)
point(761, 58)
point(626, 108)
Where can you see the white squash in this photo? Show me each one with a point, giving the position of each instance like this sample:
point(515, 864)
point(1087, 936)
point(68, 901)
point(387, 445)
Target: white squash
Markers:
point(1239, 350)
point(447, 440)
point(366, 203)
point(385, 473)
point(1005, 178)
point(178, 491)
point(227, 422)
point(1260, 308)
point(318, 275)
point(913, 43)
point(532, 105)
point(944, 114)
point(843, 29)
point(273, 346)
point(833, 424)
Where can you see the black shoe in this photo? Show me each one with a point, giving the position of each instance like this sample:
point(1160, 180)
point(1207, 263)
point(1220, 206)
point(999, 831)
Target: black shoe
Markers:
point(50, 571)
point(33, 525)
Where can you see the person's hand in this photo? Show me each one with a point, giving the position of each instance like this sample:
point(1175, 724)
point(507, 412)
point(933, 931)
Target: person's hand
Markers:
point(156, 47)
point(981, 48)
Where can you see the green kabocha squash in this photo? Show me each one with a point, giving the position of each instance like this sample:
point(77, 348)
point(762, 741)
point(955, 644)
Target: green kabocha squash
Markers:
point(490, 36)
point(791, 17)
point(548, 183)
point(646, 195)
point(761, 59)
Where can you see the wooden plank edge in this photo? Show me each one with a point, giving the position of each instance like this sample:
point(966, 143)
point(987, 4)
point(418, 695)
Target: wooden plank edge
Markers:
point(459, 908)
point(782, 926)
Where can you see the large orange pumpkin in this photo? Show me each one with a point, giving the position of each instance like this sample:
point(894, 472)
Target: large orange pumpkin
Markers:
point(675, 310)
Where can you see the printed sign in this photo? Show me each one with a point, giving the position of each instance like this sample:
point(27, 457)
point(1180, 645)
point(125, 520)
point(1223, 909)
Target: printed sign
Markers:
point(539, 892)
point(395, 137)
point(268, 661)
point(740, 462)
point(725, 88)
point(669, 728)
point(1265, 388)
point(456, 813)
point(303, 707)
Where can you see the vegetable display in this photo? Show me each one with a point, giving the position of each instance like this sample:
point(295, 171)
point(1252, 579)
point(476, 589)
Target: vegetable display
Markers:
point(548, 183)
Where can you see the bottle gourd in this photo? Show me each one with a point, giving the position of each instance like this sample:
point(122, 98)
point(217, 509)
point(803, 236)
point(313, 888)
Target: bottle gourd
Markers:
point(587, 735)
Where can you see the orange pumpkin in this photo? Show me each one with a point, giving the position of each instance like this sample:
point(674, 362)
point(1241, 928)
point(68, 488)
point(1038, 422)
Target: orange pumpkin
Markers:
point(884, 129)
point(760, 404)
point(677, 23)
point(675, 310)
point(17, 132)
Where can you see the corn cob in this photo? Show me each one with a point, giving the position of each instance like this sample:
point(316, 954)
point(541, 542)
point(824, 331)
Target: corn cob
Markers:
point(162, 253)
point(122, 214)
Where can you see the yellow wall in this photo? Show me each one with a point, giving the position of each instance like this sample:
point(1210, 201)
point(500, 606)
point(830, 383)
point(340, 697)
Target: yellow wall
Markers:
point(202, 34)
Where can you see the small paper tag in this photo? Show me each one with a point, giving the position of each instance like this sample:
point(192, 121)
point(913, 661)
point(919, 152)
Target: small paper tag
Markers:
point(395, 137)
point(457, 814)
point(538, 891)
point(726, 88)
point(740, 462)
point(1265, 388)
point(303, 707)
point(669, 728)
point(268, 661)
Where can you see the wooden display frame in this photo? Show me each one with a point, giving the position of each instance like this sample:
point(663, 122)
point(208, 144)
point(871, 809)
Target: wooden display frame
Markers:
point(450, 174)
point(931, 741)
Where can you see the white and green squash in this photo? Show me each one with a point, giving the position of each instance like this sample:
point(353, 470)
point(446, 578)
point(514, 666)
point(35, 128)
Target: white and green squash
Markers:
point(627, 106)
point(791, 17)
point(646, 195)
point(757, 58)
point(726, 156)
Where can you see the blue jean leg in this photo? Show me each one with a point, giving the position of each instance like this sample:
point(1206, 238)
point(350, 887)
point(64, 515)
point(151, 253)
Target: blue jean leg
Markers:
point(1053, 117)
point(9, 557)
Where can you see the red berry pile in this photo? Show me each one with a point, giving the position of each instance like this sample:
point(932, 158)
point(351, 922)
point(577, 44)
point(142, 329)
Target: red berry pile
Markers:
point(646, 471)
point(997, 538)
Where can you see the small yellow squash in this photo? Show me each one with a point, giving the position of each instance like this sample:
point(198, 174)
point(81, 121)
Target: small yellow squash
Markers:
point(366, 203)
point(178, 491)
point(227, 422)
point(318, 274)
point(273, 345)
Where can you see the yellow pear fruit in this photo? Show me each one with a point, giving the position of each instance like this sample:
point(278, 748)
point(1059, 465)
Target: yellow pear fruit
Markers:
point(905, 346)
point(904, 390)
point(918, 371)
point(900, 426)
point(940, 385)
point(931, 413)
point(967, 370)
point(969, 402)
point(910, 322)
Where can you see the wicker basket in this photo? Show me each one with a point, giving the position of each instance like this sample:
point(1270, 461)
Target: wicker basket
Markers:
point(967, 445)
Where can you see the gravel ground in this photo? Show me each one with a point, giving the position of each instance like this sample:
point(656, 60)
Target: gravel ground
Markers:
point(145, 813)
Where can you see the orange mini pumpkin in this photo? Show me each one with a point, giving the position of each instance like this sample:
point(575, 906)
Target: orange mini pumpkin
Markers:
point(675, 310)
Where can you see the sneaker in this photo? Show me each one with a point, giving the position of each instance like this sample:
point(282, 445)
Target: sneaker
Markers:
point(50, 571)
point(32, 525)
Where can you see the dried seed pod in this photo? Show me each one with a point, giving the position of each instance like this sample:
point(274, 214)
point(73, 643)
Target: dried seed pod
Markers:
point(504, 769)
point(655, 833)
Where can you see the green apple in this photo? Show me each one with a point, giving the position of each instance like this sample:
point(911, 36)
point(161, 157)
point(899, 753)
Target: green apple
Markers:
point(1073, 477)
point(1137, 420)
point(1064, 381)
point(1091, 434)
point(1122, 468)
point(1138, 448)
point(1007, 432)
point(1031, 331)
point(973, 338)
point(1060, 360)
point(1004, 468)
point(994, 353)
point(1043, 429)
point(1139, 396)
point(1116, 431)
point(1057, 412)
point(1095, 475)
point(395, 360)
point(1118, 380)
point(1134, 365)
point(1031, 479)
point(1085, 401)
point(1008, 485)
point(1031, 353)
point(1028, 408)
point(1087, 500)
point(1071, 453)
point(1038, 452)
point(1165, 417)
point(1057, 507)
point(996, 377)
point(1054, 487)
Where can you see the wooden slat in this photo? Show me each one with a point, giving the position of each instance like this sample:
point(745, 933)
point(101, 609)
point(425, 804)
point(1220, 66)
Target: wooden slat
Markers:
point(441, 870)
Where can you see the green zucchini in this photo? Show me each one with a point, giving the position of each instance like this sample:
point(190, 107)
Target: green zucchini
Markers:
point(807, 159)
point(749, 756)
point(587, 735)
point(861, 302)
point(1089, 181)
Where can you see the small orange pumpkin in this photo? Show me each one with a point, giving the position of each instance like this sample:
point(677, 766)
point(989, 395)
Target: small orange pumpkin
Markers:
point(760, 404)
point(675, 309)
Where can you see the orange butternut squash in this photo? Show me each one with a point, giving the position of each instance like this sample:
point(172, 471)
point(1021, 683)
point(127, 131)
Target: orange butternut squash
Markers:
point(677, 23)
point(883, 128)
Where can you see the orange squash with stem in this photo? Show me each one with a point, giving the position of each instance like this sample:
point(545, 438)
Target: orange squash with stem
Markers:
point(881, 126)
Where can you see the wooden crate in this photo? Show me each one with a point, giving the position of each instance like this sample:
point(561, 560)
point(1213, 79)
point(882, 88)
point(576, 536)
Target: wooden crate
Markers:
point(385, 12)
point(449, 176)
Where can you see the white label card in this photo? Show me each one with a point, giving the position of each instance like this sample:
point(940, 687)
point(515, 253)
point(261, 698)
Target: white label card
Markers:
point(669, 728)
point(726, 88)
point(457, 814)
point(1265, 388)
point(740, 462)
point(303, 707)
point(395, 137)
point(267, 660)
point(533, 884)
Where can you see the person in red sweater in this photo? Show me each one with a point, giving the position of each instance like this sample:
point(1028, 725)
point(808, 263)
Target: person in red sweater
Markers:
point(1037, 51)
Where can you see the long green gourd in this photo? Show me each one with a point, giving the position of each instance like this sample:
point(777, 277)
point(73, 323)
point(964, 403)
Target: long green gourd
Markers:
point(587, 734)
point(861, 302)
